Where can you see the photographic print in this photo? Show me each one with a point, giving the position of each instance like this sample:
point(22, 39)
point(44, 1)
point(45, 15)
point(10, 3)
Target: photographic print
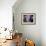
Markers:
point(28, 18)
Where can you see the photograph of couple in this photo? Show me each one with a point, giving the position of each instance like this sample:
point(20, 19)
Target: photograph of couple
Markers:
point(28, 18)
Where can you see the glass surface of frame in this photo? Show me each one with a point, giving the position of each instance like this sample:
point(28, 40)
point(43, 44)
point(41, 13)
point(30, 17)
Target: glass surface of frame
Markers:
point(28, 18)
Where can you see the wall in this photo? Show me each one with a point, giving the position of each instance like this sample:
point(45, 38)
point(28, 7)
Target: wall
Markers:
point(32, 32)
point(43, 22)
point(6, 13)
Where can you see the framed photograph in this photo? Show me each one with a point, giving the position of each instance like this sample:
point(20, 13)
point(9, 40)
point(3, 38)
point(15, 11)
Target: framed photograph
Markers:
point(28, 18)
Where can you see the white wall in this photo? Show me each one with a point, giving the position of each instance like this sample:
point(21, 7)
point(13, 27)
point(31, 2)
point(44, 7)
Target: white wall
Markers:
point(43, 22)
point(38, 31)
point(6, 13)
point(30, 31)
